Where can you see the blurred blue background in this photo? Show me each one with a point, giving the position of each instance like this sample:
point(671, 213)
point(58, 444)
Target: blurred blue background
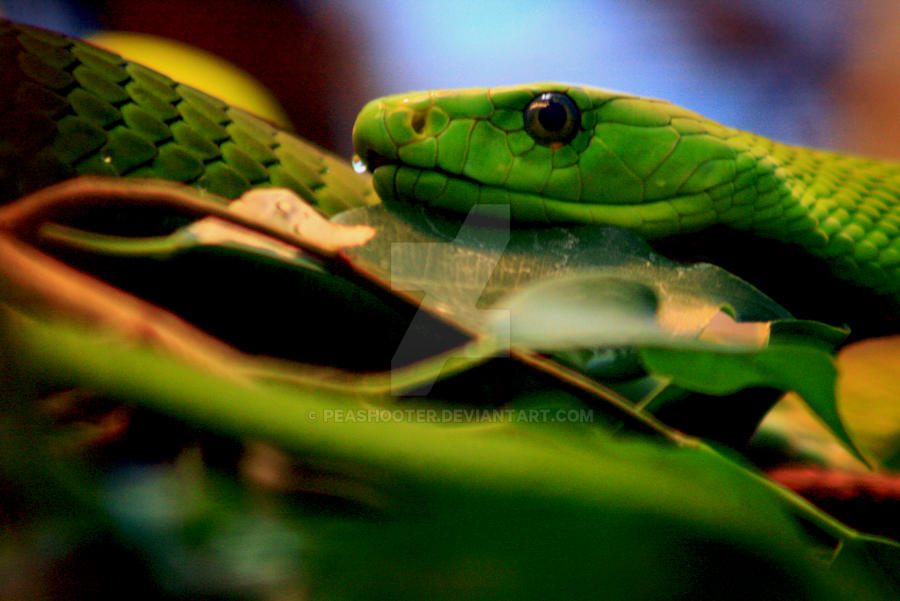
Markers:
point(787, 70)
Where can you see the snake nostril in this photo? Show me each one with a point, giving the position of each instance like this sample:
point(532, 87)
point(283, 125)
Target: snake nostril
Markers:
point(418, 121)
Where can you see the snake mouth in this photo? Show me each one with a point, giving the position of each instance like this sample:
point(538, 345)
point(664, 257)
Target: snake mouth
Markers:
point(433, 186)
point(375, 161)
point(443, 190)
point(395, 180)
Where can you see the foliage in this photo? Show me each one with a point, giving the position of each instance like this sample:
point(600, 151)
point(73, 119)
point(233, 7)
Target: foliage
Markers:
point(394, 405)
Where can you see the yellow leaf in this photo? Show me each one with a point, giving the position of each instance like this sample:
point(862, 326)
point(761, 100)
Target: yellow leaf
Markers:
point(869, 393)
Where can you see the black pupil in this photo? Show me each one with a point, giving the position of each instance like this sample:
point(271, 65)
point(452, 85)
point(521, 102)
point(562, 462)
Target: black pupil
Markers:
point(553, 116)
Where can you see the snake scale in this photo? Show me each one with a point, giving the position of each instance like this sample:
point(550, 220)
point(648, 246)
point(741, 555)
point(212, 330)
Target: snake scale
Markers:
point(554, 153)
point(70, 108)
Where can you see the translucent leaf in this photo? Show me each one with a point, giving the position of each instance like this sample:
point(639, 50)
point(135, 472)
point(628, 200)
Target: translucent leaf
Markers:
point(578, 311)
point(590, 308)
point(461, 270)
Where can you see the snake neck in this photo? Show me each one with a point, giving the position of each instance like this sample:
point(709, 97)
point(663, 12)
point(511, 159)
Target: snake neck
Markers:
point(845, 209)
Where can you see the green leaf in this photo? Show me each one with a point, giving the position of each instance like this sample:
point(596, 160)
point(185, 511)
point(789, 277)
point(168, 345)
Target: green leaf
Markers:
point(866, 567)
point(809, 372)
point(807, 333)
point(533, 517)
point(587, 294)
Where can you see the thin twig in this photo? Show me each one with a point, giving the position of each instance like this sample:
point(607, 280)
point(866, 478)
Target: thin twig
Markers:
point(25, 215)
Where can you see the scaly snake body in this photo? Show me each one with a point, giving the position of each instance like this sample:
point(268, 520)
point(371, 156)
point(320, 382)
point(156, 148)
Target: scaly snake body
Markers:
point(69, 108)
point(566, 154)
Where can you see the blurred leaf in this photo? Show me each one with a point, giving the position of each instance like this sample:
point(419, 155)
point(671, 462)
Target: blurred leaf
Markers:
point(861, 554)
point(790, 433)
point(203, 535)
point(475, 515)
point(867, 393)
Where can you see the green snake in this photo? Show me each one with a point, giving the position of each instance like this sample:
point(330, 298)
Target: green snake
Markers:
point(553, 153)
point(559, 153)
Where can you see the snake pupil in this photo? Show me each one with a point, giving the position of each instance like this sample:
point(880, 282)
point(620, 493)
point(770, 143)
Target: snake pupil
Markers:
point(552, 118)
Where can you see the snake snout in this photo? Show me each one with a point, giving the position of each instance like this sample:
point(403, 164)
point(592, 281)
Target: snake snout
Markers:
point(371, 141)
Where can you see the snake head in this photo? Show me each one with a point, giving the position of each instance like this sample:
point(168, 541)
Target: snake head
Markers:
point(554, 153)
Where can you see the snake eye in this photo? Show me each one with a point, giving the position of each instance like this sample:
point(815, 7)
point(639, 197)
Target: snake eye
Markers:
point(552, 118)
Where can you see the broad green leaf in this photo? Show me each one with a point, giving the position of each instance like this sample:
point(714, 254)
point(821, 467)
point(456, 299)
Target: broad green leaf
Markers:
point(539, 516)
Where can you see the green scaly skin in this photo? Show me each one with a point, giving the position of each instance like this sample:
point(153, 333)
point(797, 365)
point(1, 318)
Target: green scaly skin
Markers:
point(69, 108)
point(646, 165)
